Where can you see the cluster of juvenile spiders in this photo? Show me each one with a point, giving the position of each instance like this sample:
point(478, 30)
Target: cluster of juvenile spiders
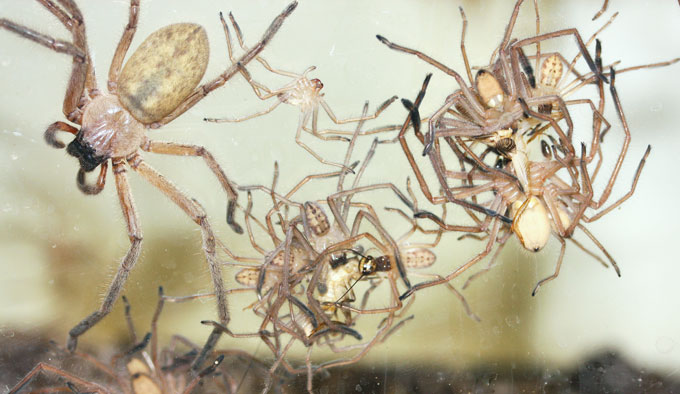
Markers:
point(304, 287)
point(504, 148)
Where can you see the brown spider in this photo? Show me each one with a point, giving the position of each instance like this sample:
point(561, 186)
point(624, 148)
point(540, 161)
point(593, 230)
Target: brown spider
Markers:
point(157, 84)
point(301, 92)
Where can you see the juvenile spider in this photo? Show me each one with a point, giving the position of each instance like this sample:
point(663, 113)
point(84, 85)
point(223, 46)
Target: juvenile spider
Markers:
point(301, 92)
point(158, 83)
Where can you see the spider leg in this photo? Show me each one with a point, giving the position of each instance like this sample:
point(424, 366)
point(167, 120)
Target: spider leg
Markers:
point(382, 333)
point(466, 90)
point(376, 130)
point(598, 131)
point(310, 371)
point(377, 112)
point(201, 91)
point(557, 269)
point(128, 320)
point(493, 235)
point(244, 118)
point(97, 187)
point(440, 172)
point(257, 86)
point(202, 374)
point(626, 141)
point(602, 10)
point(42, 367)
point(82, 73)
point(171, 148)
point(492, 262)
point(50, 134)
point(275, 365)
point(414, 117)
point(508, 31)
point(131, 257)
point(193, 209)
point(601, 247)
point(304, 118)
point(462, 45)
point(210, 344)
point(123, 46)
point(227, 35)
point(314, 130)
point(265, 64)
point(627, 195)
point(247, 218)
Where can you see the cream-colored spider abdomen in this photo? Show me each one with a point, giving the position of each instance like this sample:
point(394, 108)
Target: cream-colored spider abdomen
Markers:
point(489, 89)
point(317, 220)
point(297, 259)
point(418, 257)
point(305, 323)
point(551, 72)
point(324, 234)
point(531, 223)
point(110, 129)
point(141, 379)
point(248, 276)
point(163, 71)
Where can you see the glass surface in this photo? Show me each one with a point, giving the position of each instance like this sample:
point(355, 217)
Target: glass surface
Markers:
point(59, 248)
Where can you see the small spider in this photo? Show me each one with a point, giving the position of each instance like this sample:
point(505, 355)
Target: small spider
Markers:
point(159, 82)
point(301, 92)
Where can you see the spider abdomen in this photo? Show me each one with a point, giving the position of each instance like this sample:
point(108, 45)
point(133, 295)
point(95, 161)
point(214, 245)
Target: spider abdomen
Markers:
point(163, 71)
